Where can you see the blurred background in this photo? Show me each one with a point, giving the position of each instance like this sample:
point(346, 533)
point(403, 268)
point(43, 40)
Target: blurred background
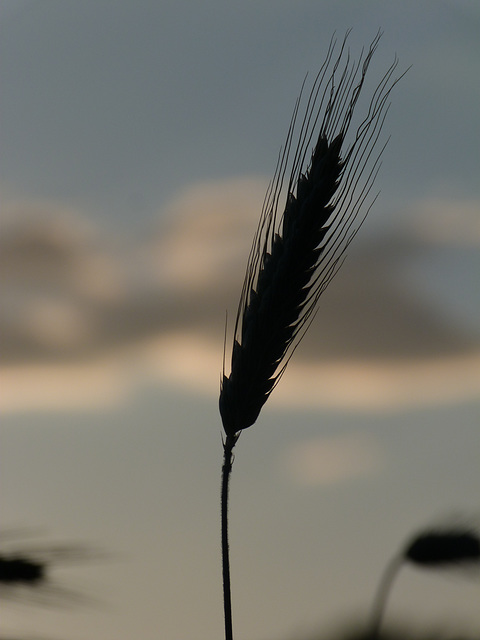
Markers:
point(138, 140)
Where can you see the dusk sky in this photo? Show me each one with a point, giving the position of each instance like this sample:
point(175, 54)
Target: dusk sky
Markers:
point(137, 143)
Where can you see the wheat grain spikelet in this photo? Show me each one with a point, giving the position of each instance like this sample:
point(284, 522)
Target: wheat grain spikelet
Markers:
point(295, 255)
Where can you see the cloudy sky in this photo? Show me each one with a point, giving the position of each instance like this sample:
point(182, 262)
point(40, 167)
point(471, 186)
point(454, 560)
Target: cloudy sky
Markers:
point(137, 142)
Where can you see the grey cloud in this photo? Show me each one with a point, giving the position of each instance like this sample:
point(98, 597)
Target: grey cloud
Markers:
point(369, 311)
point(69, 293)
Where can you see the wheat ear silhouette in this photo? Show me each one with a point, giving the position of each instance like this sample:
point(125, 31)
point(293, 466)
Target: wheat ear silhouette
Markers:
point(440, 548)
point(295, 255)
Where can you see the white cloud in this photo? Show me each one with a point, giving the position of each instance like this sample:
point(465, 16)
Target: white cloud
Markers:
point(193, 362)
point(91, 386)
point(56, 324)
point(448, 222)
point(324, 461)
point(212, 227)
point(381, 385)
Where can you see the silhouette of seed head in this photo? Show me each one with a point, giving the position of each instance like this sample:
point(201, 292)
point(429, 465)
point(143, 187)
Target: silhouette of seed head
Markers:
point(20, 569)
point(438, 548)
point(27, 573)
point(325, 177)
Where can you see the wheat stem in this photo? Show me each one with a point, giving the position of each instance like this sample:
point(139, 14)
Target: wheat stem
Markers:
point(382, 594)
point(228, 445)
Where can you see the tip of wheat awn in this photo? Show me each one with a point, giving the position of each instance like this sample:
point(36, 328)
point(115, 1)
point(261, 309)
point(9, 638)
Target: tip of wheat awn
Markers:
point(324, 174)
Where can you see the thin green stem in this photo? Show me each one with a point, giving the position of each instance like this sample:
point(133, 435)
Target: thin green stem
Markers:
point(381, 597)
point(228, 445)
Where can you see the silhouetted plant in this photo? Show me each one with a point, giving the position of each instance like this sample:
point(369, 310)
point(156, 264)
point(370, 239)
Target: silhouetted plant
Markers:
point(19, 569)
point(431, 549)
point(295, 255)
point(26, 572)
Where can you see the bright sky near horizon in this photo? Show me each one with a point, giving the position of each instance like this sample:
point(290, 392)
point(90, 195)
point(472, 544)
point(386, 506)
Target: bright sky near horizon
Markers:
point(137, 144)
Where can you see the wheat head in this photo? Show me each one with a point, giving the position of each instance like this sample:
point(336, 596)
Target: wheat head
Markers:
point(295, 255)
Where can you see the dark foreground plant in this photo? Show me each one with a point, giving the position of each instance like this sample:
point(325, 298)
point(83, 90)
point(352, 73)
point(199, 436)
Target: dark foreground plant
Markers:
point(26, 573)
point(296, 253)
point(430, 549)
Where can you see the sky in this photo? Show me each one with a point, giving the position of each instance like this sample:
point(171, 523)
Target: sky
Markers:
point(137, 143)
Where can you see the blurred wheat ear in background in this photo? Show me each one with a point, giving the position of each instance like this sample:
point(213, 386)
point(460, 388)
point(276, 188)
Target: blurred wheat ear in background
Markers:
point(441, 548)
point(26, 572)
point(296, 253)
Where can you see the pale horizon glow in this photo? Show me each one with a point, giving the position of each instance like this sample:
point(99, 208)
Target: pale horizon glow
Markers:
point(201, 253)
point(192, 362)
